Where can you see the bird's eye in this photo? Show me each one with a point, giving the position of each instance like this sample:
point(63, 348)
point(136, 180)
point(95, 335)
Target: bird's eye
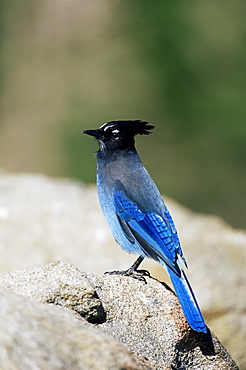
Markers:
point(115, 134)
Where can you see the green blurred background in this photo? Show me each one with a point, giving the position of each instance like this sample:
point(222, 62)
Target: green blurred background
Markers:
point(70, 65)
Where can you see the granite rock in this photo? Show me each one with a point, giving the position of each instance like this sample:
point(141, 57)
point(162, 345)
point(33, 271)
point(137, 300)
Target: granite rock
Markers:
point(144, 316)
point(44, 220)
point(44, 336)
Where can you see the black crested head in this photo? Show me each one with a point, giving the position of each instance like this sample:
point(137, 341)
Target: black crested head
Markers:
point(129, 127)
point(119, 135)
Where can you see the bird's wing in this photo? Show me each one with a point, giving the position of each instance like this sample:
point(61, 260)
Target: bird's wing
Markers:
point(158, 239)
point(156, 235)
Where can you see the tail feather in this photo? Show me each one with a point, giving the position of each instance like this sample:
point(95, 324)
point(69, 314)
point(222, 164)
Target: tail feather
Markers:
point(188, 301)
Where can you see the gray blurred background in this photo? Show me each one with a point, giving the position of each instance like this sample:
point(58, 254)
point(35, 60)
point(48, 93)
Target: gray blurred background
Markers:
point(70, 65)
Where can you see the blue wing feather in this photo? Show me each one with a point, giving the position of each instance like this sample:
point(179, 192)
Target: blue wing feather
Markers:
point(151, 227)
point(158, 238)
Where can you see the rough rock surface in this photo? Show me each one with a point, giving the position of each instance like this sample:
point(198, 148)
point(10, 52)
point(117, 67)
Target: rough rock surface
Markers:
point(44, 220)
point(143, 316)
point(38, 336)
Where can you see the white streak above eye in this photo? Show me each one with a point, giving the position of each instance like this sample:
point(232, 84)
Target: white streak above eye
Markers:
point(104, 124)
point(105, 128)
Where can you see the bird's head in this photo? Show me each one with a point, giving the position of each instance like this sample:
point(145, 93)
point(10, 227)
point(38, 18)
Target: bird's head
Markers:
point(119, 135)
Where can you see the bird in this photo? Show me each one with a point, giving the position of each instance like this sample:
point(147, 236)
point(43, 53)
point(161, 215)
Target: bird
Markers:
point(135, 210)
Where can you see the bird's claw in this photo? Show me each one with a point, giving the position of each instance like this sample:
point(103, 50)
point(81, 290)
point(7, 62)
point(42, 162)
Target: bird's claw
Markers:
point(135, 274)
point(143, 272)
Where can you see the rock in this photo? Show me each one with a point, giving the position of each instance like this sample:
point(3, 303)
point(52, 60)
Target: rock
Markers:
point(145, 317)
point(40, 336)
point(60, 284)
point(44, 220)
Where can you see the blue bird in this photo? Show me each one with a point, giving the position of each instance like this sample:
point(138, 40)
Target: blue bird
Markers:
point(135, 211)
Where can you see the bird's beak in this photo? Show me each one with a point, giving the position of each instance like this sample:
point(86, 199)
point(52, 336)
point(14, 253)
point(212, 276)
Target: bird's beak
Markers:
point(95, 133)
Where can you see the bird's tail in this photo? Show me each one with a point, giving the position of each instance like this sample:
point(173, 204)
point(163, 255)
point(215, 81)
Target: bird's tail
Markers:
point(188, 301)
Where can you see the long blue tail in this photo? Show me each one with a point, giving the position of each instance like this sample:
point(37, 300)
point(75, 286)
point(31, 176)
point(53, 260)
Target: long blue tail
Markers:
point(188, 301)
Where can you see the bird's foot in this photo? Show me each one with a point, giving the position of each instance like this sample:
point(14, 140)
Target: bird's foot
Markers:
point(135, 274)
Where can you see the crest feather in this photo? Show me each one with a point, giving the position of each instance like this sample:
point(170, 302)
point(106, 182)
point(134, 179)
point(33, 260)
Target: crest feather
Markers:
point(138, 127)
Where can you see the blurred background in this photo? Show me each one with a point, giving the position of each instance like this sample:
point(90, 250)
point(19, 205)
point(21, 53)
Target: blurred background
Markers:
point(72, 65)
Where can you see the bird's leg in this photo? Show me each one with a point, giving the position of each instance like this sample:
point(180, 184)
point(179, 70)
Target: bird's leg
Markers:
point(132, 271)
point(135, 265)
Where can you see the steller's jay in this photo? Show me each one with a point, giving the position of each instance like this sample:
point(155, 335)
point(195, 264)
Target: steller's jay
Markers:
point(134, 209)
